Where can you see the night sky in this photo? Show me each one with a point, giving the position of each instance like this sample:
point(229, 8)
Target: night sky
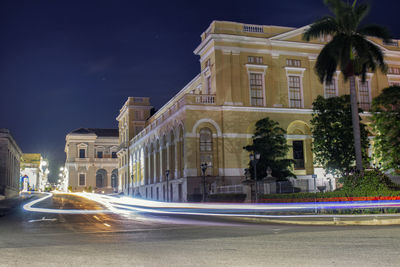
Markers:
point(71, 64)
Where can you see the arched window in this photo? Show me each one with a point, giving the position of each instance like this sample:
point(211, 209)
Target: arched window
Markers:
point(101, 178)
point(114, 178)
point(206, 147)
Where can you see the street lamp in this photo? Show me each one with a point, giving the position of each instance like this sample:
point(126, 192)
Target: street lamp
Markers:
point(254, 158)
point(167, 175)
point(203, 167)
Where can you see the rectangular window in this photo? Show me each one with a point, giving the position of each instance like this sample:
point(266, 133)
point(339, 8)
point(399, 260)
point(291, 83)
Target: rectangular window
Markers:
point(254, 60)
point(82, 180)
point(82, 153)
point(364, 96)
point(394, 83)
point(208, 85)
point(293, 62)
point(298, 155)
point(294, 91)
point(114, 155)
point(99, 154)
point(393, 70)
point(330, 89)
point(256, 89)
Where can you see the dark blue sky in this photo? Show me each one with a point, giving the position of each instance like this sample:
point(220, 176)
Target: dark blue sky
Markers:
point(70, 64)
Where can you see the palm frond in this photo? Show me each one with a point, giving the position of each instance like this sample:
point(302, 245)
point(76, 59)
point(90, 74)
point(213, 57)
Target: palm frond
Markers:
point(324, 26)
point(337, 6)
point(360, 12)
point(375, 31)
point(369, 56)
point(327, 60)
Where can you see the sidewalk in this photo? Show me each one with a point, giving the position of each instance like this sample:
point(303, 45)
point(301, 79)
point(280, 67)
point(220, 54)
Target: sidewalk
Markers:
point(370, 219)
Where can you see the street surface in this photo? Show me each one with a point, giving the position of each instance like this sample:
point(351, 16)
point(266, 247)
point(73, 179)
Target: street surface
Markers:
point(141, 239)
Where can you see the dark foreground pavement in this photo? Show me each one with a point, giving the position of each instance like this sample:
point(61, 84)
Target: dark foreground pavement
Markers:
point(40, 239)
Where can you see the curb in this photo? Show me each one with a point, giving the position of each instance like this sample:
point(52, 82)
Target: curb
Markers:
point(341, 221)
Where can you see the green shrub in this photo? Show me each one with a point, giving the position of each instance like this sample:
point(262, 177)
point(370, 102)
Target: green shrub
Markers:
point(70, 188)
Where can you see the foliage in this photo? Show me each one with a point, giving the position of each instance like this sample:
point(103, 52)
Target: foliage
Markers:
point(333, 144)
point(70, 188)
point(269, 140)
point(233, 197)
point(386, 125)
point(90, 189)
point(372, 183)
point(349, 48)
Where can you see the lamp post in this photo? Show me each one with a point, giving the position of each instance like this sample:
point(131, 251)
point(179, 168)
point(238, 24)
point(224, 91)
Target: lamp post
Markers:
point(203, 167)
point(254, 158)
point(167, 175)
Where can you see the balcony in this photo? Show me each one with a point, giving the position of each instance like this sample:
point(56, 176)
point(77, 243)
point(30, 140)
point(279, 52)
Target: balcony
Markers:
point(192, 99)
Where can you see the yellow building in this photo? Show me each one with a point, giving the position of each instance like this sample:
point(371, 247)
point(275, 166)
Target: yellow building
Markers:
point(91, 160)
point(247, 72)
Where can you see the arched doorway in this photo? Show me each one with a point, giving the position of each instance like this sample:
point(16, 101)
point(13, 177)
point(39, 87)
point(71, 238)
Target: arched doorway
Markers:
point(114, 179)
point(101, 178)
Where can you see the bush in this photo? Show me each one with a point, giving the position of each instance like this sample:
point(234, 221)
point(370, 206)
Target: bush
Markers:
point(238, 197)
point(70, 188)
point(372, 184)
point(195, 197)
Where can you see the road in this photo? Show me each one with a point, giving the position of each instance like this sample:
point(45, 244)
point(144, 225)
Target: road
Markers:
point(140, 239)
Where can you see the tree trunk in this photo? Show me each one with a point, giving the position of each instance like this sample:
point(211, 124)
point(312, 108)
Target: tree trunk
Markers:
point(356, 123)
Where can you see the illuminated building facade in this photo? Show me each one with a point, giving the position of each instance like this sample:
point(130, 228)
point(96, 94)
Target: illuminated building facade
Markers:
point(34, 172)
point(10, 156)
point(92, 162)
point(247, 73)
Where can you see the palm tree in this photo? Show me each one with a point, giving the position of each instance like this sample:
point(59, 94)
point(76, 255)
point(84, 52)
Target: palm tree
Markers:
point(350, 50)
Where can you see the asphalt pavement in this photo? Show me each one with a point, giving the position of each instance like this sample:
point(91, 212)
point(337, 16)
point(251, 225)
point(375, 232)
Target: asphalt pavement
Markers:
point(141, 239)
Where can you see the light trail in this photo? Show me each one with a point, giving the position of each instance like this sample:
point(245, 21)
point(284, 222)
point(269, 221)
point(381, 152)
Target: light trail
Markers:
point(29, 207)
point(127, 205)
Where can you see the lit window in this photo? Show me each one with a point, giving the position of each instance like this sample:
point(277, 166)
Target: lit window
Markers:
point(256, 89)
point(330, 89)
point(364, 95)
point(82, 179)
point(294, 91)
point(293, 62)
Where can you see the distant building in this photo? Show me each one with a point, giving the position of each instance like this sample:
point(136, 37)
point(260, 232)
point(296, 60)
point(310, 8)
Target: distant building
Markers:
point(10, 155)
point(131, 121)
point(247, 73)
point(91, 159)
point(34, 172)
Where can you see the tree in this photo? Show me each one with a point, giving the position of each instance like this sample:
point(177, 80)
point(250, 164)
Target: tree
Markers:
point(333, 144)
point(386, 125)
point(350, 50)
point(269, 140)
